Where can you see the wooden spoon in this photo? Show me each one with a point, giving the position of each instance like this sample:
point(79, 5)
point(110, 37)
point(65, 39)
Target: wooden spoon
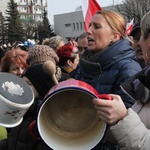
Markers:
point(49, 68)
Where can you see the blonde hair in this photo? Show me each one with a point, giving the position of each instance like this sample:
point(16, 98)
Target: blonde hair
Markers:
point(46, 42)
point(53, 42)
point(115, 21)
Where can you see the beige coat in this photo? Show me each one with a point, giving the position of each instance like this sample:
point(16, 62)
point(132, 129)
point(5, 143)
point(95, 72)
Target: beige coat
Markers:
point(133, 132)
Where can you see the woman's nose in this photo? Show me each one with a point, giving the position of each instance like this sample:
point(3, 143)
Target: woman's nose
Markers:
point(20, 71)
point(88, 31)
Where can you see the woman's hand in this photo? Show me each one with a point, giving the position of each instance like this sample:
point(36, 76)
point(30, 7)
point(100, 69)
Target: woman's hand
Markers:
point(73, 42)
point(110, 111)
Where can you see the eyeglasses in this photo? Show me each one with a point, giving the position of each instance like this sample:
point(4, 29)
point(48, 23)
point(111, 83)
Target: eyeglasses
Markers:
point(80, 48)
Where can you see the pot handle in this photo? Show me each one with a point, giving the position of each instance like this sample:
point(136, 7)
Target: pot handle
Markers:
point(31, 127)
point(105, 96)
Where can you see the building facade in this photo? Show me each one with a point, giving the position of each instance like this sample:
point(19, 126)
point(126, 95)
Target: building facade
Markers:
point(3, 6)
point(27, 8)
point(69, 25)
point(31, 8)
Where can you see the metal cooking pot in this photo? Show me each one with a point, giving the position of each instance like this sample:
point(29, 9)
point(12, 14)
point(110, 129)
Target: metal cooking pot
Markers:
point(67, 118)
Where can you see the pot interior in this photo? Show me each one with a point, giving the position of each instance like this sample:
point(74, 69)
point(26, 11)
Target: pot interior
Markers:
point(68, 115)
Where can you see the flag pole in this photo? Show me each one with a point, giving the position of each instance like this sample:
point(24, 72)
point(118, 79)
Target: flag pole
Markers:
point(113, 4)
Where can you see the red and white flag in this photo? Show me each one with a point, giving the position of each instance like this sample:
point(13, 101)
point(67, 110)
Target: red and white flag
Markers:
point(129, 27)
point(89, 8)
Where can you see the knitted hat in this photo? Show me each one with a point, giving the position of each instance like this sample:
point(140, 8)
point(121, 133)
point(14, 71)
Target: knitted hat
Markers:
point(40, 53)
point(41, 81)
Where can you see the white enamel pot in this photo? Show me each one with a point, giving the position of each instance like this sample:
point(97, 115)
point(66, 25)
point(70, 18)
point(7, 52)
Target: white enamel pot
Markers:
point(15, 99)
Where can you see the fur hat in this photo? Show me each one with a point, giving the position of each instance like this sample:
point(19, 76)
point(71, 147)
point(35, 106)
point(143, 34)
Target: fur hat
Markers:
point(40, 53)
point(41, 81)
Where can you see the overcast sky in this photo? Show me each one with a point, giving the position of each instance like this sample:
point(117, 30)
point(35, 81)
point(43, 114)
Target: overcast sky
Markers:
point(64, 6)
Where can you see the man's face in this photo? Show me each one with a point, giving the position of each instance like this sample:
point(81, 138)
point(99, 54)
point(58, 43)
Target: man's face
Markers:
point(82, 45)
point(136, 46)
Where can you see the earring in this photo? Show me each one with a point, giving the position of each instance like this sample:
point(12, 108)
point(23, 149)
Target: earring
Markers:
point(147, 54)
point(110, 42)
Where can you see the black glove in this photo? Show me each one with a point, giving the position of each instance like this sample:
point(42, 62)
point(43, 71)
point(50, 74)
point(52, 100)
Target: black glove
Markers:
point(138, 87)
point(145, 78)
point(142, 93)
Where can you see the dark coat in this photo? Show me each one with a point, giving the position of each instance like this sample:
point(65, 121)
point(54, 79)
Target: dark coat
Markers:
point(108, 69)
point(64, 75)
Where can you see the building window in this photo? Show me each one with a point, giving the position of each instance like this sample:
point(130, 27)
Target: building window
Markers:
point(36, 9)
point(74, 27)
point(77, 25)
point(81, 25)
point(67, 24)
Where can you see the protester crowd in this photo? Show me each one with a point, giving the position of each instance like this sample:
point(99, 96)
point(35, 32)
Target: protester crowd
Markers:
point(104, 58)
